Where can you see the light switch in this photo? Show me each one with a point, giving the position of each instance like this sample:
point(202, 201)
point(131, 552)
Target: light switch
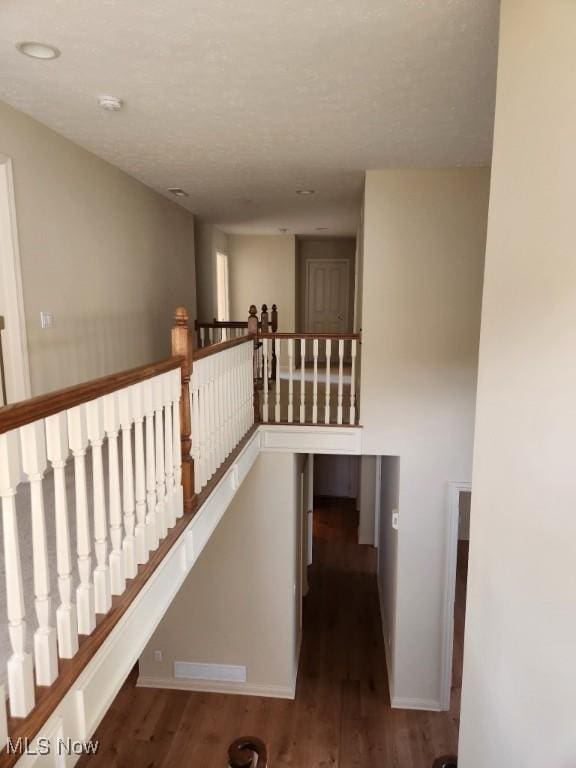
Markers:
point(46, 319)
point(395, 519)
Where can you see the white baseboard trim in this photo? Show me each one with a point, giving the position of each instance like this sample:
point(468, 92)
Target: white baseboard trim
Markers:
point(429, 705)
point(213, 686)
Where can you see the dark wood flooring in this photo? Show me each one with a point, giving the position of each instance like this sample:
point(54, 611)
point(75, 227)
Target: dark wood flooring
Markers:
point(341, 716)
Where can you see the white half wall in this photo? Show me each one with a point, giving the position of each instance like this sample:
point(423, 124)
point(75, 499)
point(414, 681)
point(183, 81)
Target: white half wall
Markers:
point(518, 694)
point(424, 241)
point(107, 256)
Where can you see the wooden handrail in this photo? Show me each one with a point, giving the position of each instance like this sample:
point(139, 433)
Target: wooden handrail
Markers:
point(27, 411)
point(221, 324)
point(220, 346)
point(310, 335)
point(241, 753)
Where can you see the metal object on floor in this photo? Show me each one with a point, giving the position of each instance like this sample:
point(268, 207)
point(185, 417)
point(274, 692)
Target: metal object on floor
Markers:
point(448, 761)
point(243, 751)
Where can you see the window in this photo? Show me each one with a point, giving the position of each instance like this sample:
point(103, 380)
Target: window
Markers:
point(222, 286)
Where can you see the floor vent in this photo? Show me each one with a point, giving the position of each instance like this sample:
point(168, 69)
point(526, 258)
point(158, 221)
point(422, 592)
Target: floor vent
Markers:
point(226, 673)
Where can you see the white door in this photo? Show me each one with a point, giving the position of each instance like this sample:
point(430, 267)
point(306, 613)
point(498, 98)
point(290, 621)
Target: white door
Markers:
point(14, 344)
point(328, 295)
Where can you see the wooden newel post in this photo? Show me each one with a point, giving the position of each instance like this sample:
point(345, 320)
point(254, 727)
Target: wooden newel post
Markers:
point(274, 318)
point(253, 330)
point(182, 346)
point(264, 318)
point(253, 320)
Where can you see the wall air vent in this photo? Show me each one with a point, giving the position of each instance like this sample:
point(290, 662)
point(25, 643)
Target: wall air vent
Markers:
point(226, 673)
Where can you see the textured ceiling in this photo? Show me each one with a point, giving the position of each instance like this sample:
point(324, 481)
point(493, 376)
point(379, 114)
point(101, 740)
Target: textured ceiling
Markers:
point(241, 102)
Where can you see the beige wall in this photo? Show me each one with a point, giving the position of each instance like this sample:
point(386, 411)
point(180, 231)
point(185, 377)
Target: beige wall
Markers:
point(263, 271)
point(241, 603)
point(424, 239)
point(106, 255)
point(518, 701)
point(209, 240)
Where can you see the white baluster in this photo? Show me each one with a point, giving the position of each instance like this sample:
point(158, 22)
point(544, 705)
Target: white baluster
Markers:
point(202, 422)
point(95, 430)
point(176, 391)
point(111, 427)
point(168, 449)
point(160, 476)
point(302, 381)
point(152, 528)
point(202, 337)
point(265, 379)
point(141, 542)
point(128, 501)
point(33, 445)
point(20, 668)
point(340, 378)
point(353, 350)
point(327, 394)
point(66, 619)
point(212, 465)
point(315, 383)
point(290, 381)
point(196, 428)
point(220, 406)
point(78, 440)
point(277, 406)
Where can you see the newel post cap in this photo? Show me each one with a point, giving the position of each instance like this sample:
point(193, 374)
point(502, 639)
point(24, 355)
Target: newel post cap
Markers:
point(181, 316)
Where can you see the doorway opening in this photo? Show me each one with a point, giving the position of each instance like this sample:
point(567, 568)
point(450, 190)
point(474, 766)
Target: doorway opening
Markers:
point(457, 549)
point(325, 279)
point(14, 346)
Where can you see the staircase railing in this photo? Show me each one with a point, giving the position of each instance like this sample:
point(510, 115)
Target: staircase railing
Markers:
point(307, 378)
point(216, 331)
point(148, 472)
point(156, 440)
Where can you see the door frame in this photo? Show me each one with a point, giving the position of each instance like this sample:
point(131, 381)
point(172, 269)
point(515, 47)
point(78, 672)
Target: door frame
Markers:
point(311, 262)
point(301, 275)
point(14, 337)
point(453, 491)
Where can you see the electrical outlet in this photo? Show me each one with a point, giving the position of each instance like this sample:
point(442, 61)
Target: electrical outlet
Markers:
point(158, 656)
point(46, 320)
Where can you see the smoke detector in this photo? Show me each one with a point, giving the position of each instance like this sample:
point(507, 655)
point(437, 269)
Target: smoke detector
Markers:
point(38, 50)
point(110, 103)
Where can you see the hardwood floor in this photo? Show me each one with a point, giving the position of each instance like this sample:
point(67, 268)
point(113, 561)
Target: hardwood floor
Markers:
point(341, 716)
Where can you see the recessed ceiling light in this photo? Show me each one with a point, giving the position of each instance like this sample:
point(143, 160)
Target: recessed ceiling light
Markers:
point(177, 192)
point(305, 191)
point(38, 50)
point(110, 103)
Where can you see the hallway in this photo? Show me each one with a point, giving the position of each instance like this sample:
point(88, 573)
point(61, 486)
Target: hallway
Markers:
point(341, 716)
